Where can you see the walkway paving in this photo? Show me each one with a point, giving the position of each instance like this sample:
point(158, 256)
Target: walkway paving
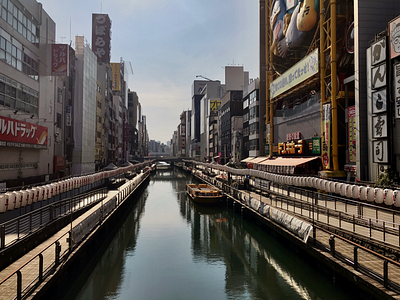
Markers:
point(30, 272)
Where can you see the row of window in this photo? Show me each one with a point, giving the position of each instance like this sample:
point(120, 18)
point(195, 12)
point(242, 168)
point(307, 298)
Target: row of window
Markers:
point(19, 21)
point(253, 97)
point(15, 57)
point(17, 96)
point(17, 166)
point(253, 128)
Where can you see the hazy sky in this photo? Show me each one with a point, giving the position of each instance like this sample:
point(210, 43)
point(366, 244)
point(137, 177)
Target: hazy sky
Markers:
point(168, 43)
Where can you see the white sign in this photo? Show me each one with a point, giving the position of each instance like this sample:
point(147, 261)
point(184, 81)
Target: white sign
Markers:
point(396, 76)
point(378, 52)
point(378, 76)
point(379, 101)
point(379, 126)
point(380, 151)
point(301, 71)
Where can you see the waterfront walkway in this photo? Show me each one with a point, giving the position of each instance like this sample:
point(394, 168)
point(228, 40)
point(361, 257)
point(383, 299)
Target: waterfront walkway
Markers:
point(29, 264)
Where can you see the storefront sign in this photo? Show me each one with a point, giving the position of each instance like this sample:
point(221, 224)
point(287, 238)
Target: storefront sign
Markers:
point(316, 145)
point(396, 70)
point(380, 148)
point(379, 126)
point(394, 37)
point(59, 60)
point(378, 52)
point(379, 101)
point(351, 133)
point(293, 136)
point(379, 76)
point(15, 133)
point(301, 71)
point(291, 148)
point(326, 142)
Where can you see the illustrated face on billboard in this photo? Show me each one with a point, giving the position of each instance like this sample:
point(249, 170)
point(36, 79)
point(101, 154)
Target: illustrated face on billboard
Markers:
point(291, 26)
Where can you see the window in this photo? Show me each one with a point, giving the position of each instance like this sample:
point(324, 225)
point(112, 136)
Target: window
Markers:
point(59, 95)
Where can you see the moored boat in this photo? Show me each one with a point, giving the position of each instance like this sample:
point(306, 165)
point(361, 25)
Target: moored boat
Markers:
point(204, 193)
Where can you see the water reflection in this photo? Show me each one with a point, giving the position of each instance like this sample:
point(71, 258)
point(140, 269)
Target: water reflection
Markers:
point(177, 249)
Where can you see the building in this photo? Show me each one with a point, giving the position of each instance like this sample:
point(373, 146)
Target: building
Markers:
point(253, 131)
point(134, 117)
point(316, 77)
point(27, 93)
point(84, 108)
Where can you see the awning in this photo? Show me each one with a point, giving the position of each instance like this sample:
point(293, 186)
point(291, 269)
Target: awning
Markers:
point(247, 159)
point(258, 160)
point(284, 165)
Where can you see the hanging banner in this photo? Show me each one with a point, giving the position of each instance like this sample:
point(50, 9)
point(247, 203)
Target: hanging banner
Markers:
point(115, 70)
point(351, 133)
point(396, 70)
point(59, 60)
point(326, 143)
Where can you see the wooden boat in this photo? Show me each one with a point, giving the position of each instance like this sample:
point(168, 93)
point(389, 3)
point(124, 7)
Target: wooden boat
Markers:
point(204, 193)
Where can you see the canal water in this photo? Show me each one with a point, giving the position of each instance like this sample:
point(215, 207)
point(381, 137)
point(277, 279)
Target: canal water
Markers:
point(170, 248)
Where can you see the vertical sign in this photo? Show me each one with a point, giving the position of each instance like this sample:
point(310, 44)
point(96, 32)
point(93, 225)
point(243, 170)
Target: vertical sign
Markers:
point(394, 37)
point(380, 151)
point(68, 115)
point(326, 142)
point(116, 85)
point(101, 37)
point(351, 133)
point(59, 60)
point(396, 70)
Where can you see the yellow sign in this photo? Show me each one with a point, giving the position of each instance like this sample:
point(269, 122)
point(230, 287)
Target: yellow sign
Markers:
point(214, 105)
point(291, 148)
point(116, 85)
point(301, 71)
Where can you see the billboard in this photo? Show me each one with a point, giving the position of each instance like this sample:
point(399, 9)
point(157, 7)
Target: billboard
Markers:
point(301, 71)
point(115, 70)
point(15, 133)
point(101, 37)
point(394, 37)
point(59, 60)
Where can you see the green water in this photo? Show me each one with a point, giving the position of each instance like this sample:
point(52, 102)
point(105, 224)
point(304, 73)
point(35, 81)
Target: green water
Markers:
point(169, 248)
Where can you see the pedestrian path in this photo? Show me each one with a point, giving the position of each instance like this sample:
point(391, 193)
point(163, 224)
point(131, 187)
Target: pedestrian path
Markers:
point(30, 269)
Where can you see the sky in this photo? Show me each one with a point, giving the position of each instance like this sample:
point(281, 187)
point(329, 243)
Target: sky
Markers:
point(168, 43)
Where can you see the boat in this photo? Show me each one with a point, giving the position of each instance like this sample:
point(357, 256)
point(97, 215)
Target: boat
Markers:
point(204, 193)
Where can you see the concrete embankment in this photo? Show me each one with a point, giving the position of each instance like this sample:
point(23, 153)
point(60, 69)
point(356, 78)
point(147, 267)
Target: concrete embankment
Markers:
point(87, 252)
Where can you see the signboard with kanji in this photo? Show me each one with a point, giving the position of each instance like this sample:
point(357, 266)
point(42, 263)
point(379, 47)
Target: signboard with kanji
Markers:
point(101, 37)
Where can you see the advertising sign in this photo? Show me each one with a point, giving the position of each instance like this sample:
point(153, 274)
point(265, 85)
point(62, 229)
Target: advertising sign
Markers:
point(379, 126)
point(15, 133)
point(214, 105)
point(396, 70)
point(316, 145)
point(394, 37)
point(101, 37)
point(379, 76)
point(68, 115)
point(301, 71)
point(378, 52)
point(380, 151)
point(59, 60)
point(326, 142)
point(351, 133)
point(379, 101)
point(116, 85)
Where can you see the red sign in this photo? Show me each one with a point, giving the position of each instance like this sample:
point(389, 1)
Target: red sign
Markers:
point(101, 37)
point(293, 136)
point(15, 133)
point(59, 60)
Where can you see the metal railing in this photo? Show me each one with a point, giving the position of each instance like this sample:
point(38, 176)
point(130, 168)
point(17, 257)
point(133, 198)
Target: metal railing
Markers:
point(16, 229)
point(21, 283)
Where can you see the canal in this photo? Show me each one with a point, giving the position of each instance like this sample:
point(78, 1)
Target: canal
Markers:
point(170, 248)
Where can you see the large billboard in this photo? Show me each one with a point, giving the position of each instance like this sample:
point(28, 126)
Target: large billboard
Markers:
point(101, 37)
point(301, 71)
point(59, 60)
point(15, 133)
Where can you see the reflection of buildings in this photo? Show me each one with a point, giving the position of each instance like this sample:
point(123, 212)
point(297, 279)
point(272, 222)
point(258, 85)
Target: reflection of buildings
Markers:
point(317, 81)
